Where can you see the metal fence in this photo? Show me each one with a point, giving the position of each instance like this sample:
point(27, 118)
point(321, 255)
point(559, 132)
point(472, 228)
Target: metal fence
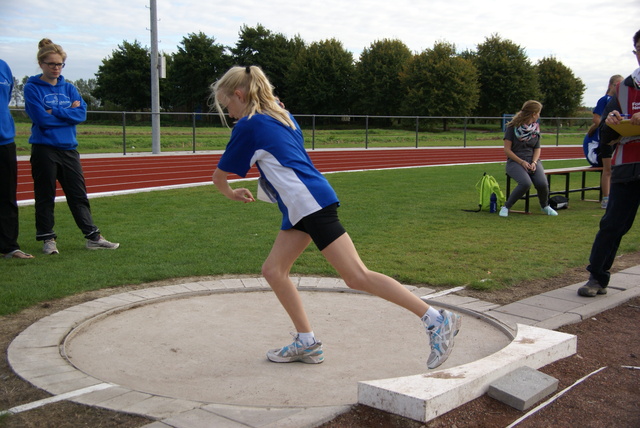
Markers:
point(199, 131)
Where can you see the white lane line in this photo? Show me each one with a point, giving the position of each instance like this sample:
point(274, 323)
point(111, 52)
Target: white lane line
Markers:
point(56, 398)
point(552, 399)
point(443, 293)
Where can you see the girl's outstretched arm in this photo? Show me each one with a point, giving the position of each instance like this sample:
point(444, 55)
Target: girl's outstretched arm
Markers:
point(221, 182)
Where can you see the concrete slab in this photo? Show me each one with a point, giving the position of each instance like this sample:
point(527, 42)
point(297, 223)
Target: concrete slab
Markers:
point(559, 320)
point(193, 327)
point(217, 356)
point(424, 397)
point(522, 388)
point(624, 280)
point(527, 311)
point(634, 270)
point(548, 302)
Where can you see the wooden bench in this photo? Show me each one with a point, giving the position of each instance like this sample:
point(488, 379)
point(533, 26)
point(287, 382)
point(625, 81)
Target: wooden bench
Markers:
point(567, 188)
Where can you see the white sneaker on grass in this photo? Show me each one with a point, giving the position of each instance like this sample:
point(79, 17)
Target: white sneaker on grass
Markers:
point(549, 211)
point(50, 247)
point(442, 338)
point(504, 212)
point(101, 244)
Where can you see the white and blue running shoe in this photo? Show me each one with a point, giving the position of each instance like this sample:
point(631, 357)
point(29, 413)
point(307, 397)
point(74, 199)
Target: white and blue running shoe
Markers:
point(442, 337)
point(297, 352)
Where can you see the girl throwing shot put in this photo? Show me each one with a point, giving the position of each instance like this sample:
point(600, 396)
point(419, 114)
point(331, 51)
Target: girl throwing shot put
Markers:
point(267, 135)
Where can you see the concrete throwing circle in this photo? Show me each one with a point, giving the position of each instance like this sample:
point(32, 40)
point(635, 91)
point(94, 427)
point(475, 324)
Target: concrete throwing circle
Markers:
point(206, 342)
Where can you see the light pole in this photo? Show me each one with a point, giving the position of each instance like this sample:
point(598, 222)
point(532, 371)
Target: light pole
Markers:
point(155, 82)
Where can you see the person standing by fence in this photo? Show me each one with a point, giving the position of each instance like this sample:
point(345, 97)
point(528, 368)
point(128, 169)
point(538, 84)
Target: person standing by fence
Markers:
point(55, 108)
point(266, 134)
point(9, 226)
point(522, 147)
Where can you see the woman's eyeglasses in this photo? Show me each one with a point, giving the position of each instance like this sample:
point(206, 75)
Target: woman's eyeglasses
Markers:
point(54, 65)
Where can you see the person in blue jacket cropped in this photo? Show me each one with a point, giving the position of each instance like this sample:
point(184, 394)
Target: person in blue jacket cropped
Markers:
point(9, 227)
point(55, 108)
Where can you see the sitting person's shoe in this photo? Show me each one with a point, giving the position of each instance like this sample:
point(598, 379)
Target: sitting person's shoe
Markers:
point(605, 202)
point(50, 247)
point(101, 244)
point(504, 212)
point(442, 337)
point(591, 289)
point(549, 211)
point(297, 352)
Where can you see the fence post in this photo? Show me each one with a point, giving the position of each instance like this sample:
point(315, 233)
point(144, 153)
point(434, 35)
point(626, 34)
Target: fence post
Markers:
point(557, 132)
point(124, 133)
point(465, 132)
point(194, 131)
point(366, 134)
point(313, 132)
point(417, 129)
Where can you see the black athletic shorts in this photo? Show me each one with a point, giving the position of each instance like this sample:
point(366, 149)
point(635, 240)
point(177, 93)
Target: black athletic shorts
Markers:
point(606, 150)
point(323, 226)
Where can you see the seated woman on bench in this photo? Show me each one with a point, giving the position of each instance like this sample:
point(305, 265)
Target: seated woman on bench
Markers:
point(522, 147)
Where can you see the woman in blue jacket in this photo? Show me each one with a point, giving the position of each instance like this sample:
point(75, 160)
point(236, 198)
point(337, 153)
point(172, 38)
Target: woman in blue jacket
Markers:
point(9, 226)
point(55, 108)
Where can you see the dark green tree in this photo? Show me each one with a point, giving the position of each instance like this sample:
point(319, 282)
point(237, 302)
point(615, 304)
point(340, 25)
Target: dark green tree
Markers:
point(198, 62)
point(507, 77)
point(273, 52)
point(124, 79)
point(561, 91)
point(377, 78)
point(438, 82)
point(322, 76)
point(85, 88)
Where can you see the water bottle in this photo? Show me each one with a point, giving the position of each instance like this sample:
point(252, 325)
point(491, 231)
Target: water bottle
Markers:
point(493, 205)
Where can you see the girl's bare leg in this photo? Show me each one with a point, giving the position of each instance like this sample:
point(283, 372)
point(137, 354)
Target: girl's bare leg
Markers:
point(288, 246)
point(344, 257)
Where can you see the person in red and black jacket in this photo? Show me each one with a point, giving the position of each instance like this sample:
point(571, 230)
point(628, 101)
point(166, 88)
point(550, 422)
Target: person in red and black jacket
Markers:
point(624, 196)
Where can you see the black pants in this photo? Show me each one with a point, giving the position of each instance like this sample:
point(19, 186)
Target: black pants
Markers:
point(49, 164)
point(9, 226)
point(624, 200)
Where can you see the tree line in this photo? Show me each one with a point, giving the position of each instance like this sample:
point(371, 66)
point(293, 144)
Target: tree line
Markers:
point(324, 78)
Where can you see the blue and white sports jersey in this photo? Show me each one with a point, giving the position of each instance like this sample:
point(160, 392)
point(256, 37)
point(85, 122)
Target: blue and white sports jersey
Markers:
point(278, 151)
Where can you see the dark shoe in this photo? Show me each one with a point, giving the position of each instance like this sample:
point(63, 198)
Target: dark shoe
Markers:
point(591, 289)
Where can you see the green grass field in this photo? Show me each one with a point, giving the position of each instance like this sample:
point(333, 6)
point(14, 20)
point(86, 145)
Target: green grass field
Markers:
point(406, 223)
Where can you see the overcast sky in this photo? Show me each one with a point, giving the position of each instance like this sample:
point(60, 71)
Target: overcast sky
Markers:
point(593, 38)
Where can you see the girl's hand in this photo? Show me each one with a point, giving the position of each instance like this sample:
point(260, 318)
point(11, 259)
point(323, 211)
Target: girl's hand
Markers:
point(75, 104)
point(243, 195)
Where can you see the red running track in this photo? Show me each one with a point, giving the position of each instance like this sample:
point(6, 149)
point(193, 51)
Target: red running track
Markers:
point(112, 174)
